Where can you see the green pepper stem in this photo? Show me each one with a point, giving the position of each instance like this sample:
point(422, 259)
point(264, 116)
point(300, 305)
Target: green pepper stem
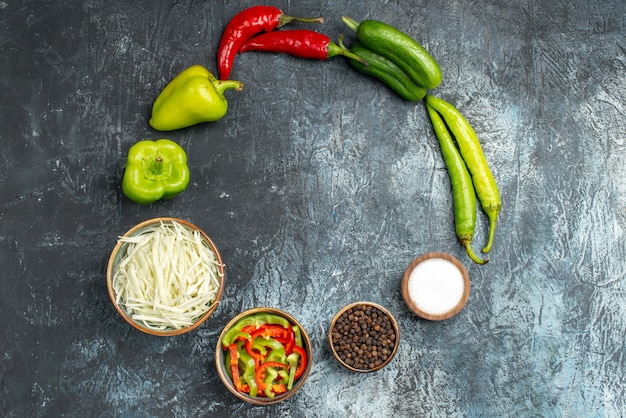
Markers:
point(492, 230)
point(222, 85)
point(156, 166)
point(334, 49)
point(468, 249)
point(351, 23)
point(284, 19)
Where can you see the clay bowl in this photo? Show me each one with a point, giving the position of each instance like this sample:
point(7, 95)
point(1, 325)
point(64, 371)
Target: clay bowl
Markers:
point(121, 251)
point(435, 286)
point(383, 332)
point(223, 370)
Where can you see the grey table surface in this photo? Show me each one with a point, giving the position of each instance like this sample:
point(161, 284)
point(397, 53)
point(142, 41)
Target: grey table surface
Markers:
point(319, 187)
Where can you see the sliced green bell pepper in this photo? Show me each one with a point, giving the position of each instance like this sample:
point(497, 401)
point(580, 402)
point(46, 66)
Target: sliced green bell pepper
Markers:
point(249, 366)
point(297, 335)
point(275, 348)
point(193, 96)
point(292, 360)
point(155, 170)
point(256, 320)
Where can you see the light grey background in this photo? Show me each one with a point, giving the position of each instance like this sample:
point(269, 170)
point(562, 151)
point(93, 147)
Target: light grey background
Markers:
point(319, 187)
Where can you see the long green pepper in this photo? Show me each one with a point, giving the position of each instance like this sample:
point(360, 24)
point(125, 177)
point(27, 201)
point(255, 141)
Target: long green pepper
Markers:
point(463, 192)
point(386, 71)
point(398, 47)
point(472, 153)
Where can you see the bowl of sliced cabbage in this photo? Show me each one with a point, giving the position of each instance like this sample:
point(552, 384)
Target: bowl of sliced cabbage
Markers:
point(165, 276)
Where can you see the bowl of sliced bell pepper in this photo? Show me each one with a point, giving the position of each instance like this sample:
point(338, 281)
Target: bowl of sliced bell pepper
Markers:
point(263, 356)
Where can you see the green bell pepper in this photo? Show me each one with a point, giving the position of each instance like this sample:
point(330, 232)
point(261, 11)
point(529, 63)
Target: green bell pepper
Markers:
point(277, 355)
point(292, 360)
point(193, 96)
point(297, 335)
point(155, 170)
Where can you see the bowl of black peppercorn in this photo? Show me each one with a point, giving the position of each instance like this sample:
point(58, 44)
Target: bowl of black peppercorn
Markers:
point(364, 337)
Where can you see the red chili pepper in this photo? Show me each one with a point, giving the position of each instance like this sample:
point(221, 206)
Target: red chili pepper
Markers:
point(244, 25)
point(299, 43)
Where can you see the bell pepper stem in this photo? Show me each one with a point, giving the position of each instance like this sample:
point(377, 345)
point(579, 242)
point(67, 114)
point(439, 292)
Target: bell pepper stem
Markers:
point(222, 85)
point(156, 167)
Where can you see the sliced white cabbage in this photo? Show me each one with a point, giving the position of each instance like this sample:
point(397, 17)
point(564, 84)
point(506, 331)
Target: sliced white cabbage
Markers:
point(168, 276)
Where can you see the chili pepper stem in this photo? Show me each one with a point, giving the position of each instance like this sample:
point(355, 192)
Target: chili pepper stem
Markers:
point(341, 44)
point(283, 20)
point(334, 50)
point(493, 217)
point(467, 244)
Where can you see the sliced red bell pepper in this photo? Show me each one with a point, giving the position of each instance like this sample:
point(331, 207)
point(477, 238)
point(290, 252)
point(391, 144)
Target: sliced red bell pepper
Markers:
point(249, 329)
point(288, 341)
point(303, 360)
point(234, 368)
point(245, 334)
point(292, 340)
point(261, 344)
point(279, 388)
point(270, 331)
point(259, 375)
point(258, 357)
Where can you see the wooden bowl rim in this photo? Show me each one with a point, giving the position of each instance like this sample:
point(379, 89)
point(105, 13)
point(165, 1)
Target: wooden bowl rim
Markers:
point(219, 358)
point(411, 304)
point(384, 310)
point(111, 266)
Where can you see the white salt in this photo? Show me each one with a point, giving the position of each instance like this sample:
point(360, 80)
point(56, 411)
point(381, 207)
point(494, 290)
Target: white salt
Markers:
point(436, 286)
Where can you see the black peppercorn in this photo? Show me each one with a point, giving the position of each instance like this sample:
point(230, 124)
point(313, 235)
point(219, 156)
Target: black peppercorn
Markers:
point(363, 337)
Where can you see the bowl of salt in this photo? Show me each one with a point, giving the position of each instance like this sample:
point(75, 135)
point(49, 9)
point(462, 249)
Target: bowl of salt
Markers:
point(435, 286)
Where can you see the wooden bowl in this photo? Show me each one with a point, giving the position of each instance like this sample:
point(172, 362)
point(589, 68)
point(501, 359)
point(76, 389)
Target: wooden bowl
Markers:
point(435, 286)
point(223, 372)
point(120, 251)
point(389, 340)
